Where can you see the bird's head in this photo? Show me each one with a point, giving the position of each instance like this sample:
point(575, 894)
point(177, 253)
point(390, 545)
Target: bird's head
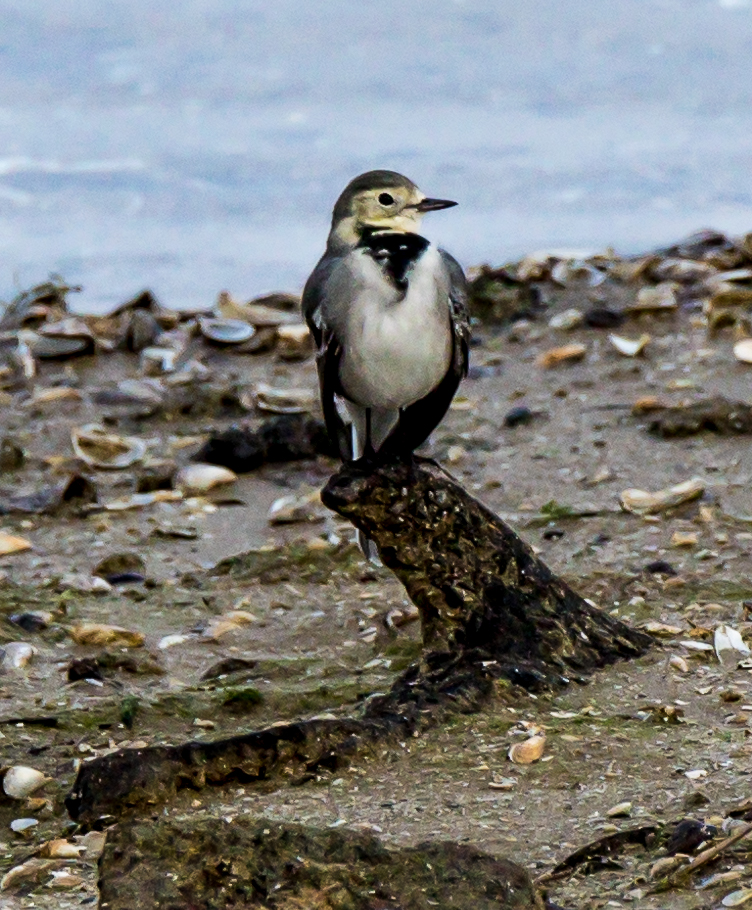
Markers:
point(381, 201)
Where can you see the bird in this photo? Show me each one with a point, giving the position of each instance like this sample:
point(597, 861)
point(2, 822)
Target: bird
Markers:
point(388, 313)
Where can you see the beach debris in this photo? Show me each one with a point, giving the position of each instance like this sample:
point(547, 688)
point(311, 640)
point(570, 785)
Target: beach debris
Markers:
point(70, 337)
point(218, 626)
point(629, 347)
point(118, 567)
point(528, 751)
point(659, 299)
point(270, 310)
point(284, 401)
point(519, 416)
point(30, 871)
point(10, 543)
point(729, 646)
point(93, 842)
point(294, 342)
point(226, 331)
point(139, 500)
point(684, 538)
point(32, 620)
point(83, 584)
point(177, 638)
point(620, 810)
point(567, 320)
point(737, 898)
point(15, 655)
point(300, 506)
point(718, 415)
point(288, 437)
point(661, 629)
point(678, 663)
point(12, 455)
point(157, 361)
point(601, 317)
point(101, 634)
point(20, 781)
point(62, 879)
point(73, 489)
point(641, 502)
point(743, 350)
point(568, 353)
point(100, 449)
point(23, 826)
point(198, 479)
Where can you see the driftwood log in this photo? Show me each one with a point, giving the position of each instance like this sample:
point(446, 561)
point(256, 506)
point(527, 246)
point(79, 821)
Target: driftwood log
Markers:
point(490, 610)
point(482, 593)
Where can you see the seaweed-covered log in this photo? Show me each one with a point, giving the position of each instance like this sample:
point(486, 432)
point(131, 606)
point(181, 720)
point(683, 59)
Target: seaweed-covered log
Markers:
point(482, 593)
point(220, 863)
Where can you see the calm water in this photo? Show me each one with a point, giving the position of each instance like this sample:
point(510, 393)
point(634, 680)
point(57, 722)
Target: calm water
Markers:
point(198, 146)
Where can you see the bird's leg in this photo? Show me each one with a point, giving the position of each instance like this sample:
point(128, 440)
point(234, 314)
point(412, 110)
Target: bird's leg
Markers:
point(368, 457)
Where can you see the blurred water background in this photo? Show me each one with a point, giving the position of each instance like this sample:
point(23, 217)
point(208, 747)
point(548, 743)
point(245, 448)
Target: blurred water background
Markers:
point(198, 146)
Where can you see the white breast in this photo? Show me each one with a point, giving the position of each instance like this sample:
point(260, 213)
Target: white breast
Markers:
point(397, 348)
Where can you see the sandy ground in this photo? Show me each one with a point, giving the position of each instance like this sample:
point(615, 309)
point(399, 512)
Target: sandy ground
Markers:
point(316, 640)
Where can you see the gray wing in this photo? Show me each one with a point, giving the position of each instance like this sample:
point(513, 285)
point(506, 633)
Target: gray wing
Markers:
point(329, 350)
point(459, 312)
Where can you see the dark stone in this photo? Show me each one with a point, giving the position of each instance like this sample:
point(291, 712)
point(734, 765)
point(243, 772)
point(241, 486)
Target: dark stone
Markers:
point(518, 416)
point(72, 491)
point(125, 578)
point(119, 566)
point(209, 863)
point(554, 533)
point(688, 835)
point(12, 456)
point(30, 622)
point(603, 318)
point(84, 668)
point(227, 666)
point(660, 567)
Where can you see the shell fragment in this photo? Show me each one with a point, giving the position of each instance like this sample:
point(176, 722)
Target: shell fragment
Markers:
point(643, 503)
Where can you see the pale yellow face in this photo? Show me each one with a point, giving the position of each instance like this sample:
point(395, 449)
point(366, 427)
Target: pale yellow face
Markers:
point(391, 208)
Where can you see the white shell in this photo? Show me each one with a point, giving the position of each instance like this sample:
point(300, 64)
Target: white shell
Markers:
point(16, 654)
point(643, 503)
point(19, 825)
point(21, 781)
point(729, 645)
point(226, 331)
point(629, 347)
point(155, 361)
point(567, 320)
point(743, 350)
point(200, 478)
point(737, 898)
point(284, 401)
point(525, 753)
point(297, 507)
point(100, 449)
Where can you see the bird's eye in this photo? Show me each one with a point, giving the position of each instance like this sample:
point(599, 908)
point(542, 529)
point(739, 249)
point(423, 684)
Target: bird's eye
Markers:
point(386, 199)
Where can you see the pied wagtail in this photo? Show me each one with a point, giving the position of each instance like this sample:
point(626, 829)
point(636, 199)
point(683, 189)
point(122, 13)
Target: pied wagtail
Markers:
point(388, 312)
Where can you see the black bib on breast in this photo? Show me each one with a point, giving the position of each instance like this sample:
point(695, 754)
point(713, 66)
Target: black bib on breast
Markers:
point(394, 251)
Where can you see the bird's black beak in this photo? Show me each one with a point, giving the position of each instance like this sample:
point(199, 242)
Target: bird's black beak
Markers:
point(433, 205)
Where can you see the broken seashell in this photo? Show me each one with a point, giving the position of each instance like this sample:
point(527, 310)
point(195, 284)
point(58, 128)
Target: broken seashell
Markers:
point(228, 622)
point(16, 654)
point(743, 350)
point(660, 298)
point(20, 781)
point(100, 449)
point(23, 825)
point(294, 342)
point(268, 310)
point(530, 750)
point(662, 628)
point(729, 646)
point(629, 347)
point(226, 331)
point(94, 843)
point(737, 898)
point(140, 500)
point(684, 539)
point(641, 502)
point(620, 810)
point(567, 320)
point(667, 864)
point(97, 634)
point(9, 543)
point(697, 774)
point(569, 353)
point(67, 338)
point(62, 879)
point(297, 507)
point(30, 870)
point(678, 663)
point(60, 848)
point(196, 479)
point(284, 401)
point(168, 641)
point(155, 361)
